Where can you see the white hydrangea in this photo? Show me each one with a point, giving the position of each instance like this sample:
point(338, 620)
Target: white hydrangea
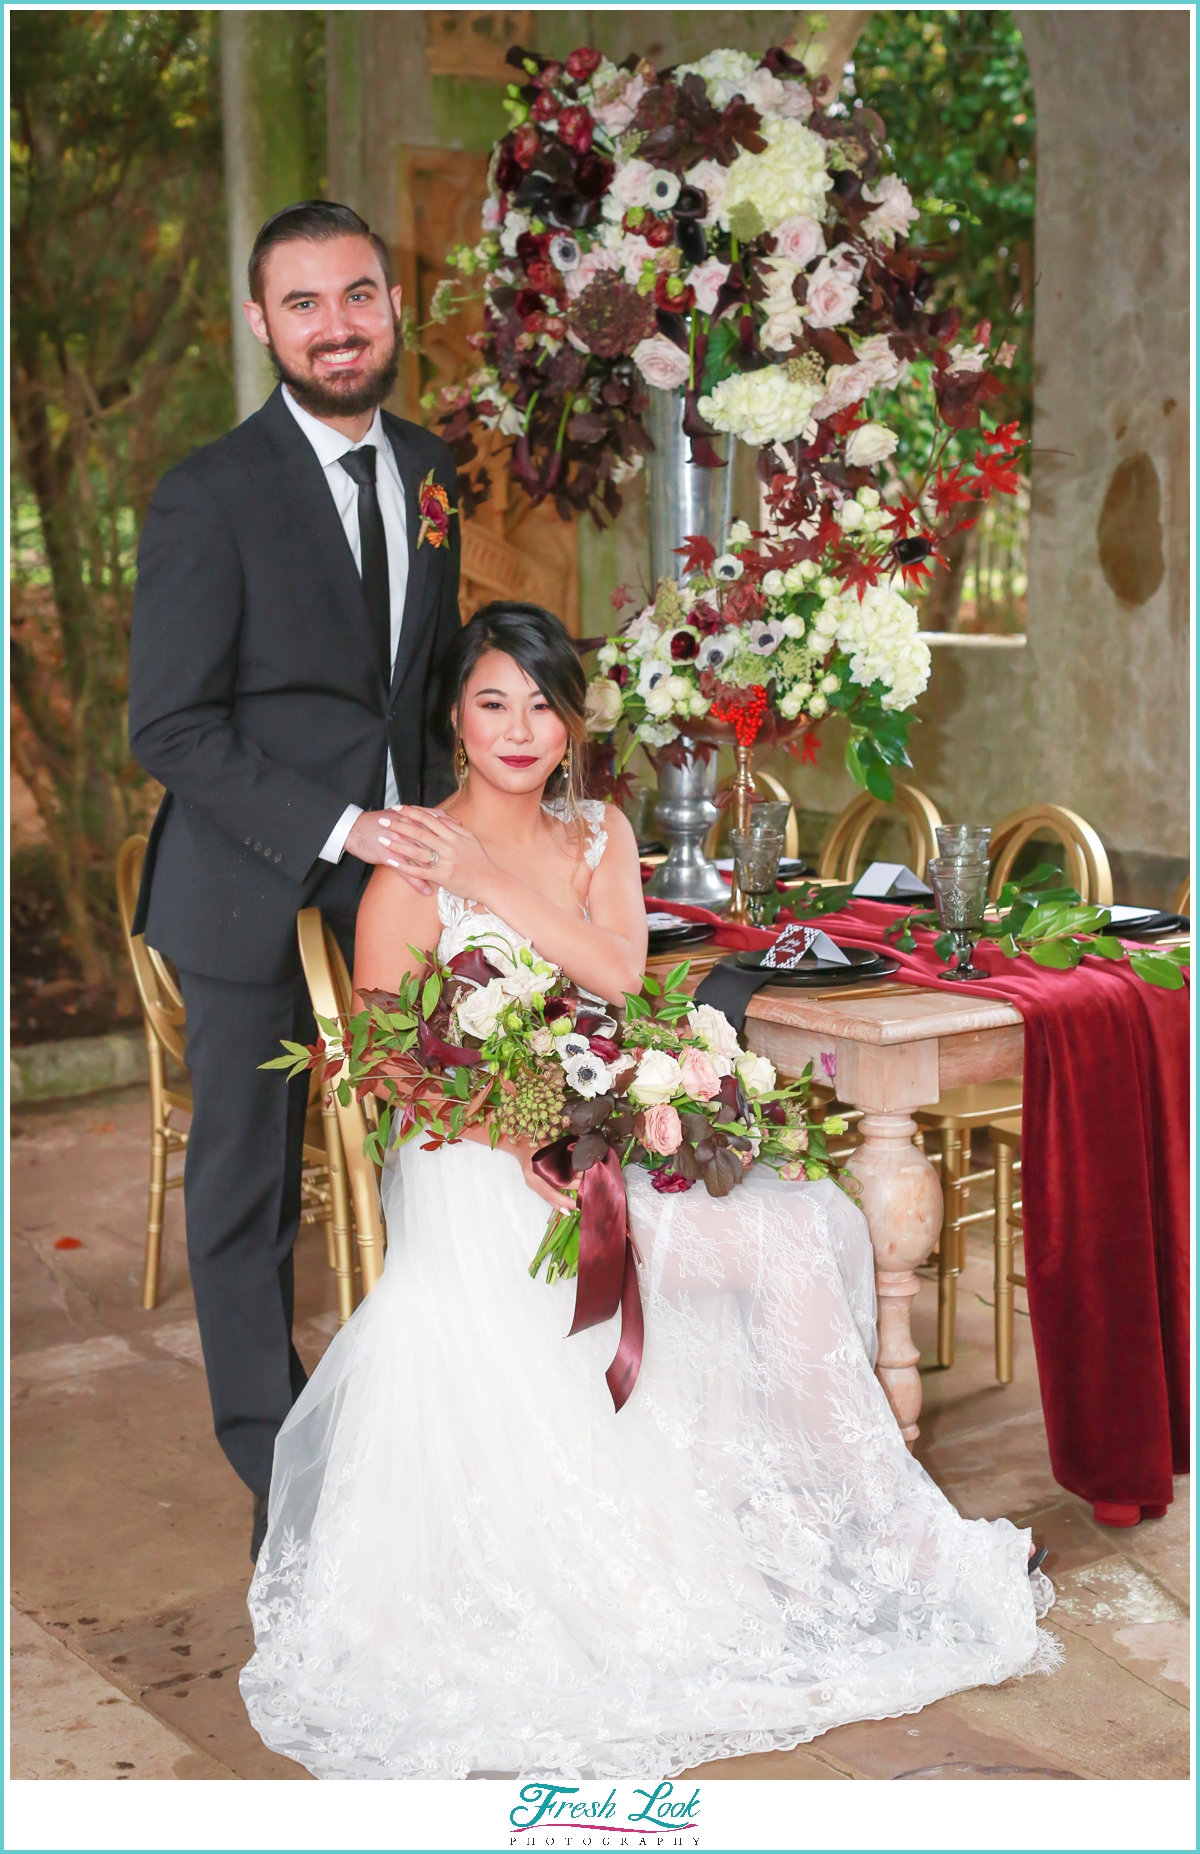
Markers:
point(761, 408)
point(789, 177)
point(724, 73)
point(657, 733)
point(879, 633)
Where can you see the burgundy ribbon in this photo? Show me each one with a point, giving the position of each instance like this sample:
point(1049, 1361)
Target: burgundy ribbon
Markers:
point(607, 1277)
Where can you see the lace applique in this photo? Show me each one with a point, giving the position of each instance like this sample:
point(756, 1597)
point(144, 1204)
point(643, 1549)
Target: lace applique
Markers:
point(591, 810)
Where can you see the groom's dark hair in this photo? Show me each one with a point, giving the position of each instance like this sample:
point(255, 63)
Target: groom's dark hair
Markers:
point(315, 221)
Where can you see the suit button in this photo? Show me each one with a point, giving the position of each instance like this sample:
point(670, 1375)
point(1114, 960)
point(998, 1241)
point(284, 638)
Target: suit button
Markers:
point(279, 856)
point(267, 851)
point(249, 841)
point(258, 846)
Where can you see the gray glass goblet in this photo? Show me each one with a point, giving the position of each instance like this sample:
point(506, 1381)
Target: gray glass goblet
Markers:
point(964, 840)
point(960, 887)
point(756, 857)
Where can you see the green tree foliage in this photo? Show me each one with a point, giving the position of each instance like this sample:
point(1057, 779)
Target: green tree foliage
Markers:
point(955, 93)
point(120, 366)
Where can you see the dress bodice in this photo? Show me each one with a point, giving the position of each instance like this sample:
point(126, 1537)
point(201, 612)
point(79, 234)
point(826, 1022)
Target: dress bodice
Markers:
point(463, 924)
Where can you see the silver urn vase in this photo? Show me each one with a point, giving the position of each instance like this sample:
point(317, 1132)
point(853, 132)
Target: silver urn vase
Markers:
point(685, 499)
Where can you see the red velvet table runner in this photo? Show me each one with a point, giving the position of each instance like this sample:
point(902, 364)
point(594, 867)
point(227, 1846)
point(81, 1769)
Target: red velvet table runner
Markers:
point(1105, 1190)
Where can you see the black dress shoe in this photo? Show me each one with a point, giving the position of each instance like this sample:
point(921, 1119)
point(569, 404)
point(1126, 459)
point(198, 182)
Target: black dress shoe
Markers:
point(259, 1530)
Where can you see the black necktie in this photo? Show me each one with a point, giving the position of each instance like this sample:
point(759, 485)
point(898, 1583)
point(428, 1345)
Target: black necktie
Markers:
point(360, 465)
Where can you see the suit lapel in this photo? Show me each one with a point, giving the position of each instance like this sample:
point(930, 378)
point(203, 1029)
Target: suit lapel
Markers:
point(417, 589)
point(321, 522)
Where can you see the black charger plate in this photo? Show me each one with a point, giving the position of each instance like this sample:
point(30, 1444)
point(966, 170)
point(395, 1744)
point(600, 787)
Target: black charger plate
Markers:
point(864, 964)
point(689, 933)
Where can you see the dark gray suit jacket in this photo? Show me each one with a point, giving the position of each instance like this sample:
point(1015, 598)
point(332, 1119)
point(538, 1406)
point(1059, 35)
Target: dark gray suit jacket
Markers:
point(256, 696)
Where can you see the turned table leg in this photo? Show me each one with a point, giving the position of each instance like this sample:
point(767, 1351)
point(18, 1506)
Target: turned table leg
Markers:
point(902, 1202)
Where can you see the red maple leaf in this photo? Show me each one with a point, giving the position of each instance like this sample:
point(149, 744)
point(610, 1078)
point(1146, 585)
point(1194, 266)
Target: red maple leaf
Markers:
point(903, 516)
point(995, 472)
point(858, 571)
point(951, 487)
point(620, 596)
point(916, 572)
point(699, 553)
point(1004, 436)
point(809, 745)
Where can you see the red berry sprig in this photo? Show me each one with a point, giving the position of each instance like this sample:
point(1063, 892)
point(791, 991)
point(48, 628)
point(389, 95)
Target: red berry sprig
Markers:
point(746, 718)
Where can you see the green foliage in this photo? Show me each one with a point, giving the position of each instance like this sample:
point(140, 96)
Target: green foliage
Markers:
point(120, 365)
point(954, 89)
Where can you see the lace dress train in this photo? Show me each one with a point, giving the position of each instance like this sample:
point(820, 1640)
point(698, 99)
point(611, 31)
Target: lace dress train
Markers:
point(474, 1565)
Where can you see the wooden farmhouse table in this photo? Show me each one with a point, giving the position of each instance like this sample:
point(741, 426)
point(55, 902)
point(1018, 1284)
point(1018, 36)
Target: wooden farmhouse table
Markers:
point(889, 1049)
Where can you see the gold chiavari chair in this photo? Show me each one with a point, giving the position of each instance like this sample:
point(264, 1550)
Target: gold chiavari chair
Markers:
point(165, 1021)
point(355, 1177)
point(844, 845)
point(1006, 1150)
point(1182, 903)
point(777, 790)
point(959, 1111)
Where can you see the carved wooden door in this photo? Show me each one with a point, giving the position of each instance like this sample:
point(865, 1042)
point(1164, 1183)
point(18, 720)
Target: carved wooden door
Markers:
point(510, 550)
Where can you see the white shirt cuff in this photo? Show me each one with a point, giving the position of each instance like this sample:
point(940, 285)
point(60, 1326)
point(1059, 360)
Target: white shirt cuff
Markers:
point(335, 843)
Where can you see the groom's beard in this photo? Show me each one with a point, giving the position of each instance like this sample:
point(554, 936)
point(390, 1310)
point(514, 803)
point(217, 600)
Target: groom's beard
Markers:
point(332, 398)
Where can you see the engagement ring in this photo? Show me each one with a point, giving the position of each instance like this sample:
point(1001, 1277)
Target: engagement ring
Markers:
point(432, 858)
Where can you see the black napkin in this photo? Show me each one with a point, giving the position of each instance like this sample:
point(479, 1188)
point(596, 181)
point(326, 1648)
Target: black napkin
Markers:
point(730, 987)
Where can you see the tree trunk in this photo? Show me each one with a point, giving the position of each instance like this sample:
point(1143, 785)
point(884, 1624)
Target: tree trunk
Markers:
point(827, 47)
point(939, 608)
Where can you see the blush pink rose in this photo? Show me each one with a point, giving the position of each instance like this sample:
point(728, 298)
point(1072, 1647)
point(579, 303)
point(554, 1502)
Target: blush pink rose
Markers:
point(706, 280)
point(700, 1078)
point(632, 253)
point(631, 183)
point(799, 240)
point(845, 386)
point(663, 1132)
point(588, 269)
point(661, 363)
point(832, 294)
point(619, 111)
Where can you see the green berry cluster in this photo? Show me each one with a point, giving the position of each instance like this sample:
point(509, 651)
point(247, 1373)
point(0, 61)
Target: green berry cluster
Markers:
point(534, 1109)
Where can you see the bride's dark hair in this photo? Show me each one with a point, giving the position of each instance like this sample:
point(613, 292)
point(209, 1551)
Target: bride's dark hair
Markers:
point(541, 645)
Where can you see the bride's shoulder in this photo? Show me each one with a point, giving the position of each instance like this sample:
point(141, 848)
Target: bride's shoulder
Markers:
point(392, 917)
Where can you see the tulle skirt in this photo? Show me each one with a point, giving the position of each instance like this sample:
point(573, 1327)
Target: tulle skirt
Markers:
point(474, 1564)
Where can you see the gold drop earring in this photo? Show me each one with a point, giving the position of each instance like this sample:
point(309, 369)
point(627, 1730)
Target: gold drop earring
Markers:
point(460, 763)
point(566, 762)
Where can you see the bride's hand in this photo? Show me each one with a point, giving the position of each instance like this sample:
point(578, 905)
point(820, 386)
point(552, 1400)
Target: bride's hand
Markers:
point(433, 850)
point(522, 1150)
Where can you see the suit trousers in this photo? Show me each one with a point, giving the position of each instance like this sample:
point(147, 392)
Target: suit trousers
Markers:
point(241, 1189)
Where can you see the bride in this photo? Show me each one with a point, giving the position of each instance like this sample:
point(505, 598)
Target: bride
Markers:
point(472, 1564)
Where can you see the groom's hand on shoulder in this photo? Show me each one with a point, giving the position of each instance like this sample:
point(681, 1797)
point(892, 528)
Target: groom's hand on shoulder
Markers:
point(373, 839)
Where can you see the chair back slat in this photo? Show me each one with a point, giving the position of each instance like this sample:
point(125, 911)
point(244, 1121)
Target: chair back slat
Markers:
point(1087, 868)
point(844, 845)
point(161, 1000)
point(331, 991)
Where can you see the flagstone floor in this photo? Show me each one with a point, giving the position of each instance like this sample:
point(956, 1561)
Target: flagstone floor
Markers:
point(130, 1532)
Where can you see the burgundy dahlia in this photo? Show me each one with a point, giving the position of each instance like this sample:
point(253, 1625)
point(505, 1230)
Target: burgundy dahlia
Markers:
point(610, 318)
point(575, 128)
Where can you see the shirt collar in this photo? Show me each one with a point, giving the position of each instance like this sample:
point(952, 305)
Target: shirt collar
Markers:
point(330, 445)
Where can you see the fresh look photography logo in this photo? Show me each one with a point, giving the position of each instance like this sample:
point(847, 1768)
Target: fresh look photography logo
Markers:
point(575, 1815)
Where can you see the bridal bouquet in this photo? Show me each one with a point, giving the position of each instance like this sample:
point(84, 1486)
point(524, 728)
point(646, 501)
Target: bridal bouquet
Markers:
point(498, 1038)
point(720, 230)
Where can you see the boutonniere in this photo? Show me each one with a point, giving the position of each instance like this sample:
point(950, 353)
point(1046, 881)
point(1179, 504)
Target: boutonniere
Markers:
point(435, 514)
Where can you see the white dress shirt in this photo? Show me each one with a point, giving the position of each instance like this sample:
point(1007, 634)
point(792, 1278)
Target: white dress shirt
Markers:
point(331, 446)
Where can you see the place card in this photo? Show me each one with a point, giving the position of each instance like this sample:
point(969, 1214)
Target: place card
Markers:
point(794, 943)
point(891, 882)
point(656, 922)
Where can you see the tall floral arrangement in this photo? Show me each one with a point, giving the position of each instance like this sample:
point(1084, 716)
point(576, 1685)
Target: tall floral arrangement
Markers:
point(719, 230)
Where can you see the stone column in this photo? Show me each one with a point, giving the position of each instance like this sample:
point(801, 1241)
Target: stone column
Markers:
point(267, 159)
point(1109, 577)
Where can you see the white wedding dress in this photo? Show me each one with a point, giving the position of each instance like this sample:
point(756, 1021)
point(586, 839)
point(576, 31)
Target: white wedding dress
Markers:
point(474, 1565)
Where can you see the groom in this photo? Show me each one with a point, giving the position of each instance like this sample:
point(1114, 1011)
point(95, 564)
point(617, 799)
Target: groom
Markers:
point(293, 607)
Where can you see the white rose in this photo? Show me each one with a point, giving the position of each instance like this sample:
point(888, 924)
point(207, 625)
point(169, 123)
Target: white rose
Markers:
point(867, 497)
point(773, 583)
point(828, 684)
point(631, 183)
point(794, 578)
point(479, 1012)
point(741, 534)
point(783, 328)
point(607, 655)
point(523, 984)
point(698, 704)
point(755, 1073)
point(849, 517)
point(763, 90)
point(817, 707)
point(541, 1040)
point(713, 1030)
point(659, 701)
point(791, 704)
point(712, 180)
point(661, 363)
point(844, 386)
point(658, 1077)
point(514, 224)
point(799, 240)
point(870, 444)
point(678, 688)
point(874, 519)
point(706, 280)
point(603, 705)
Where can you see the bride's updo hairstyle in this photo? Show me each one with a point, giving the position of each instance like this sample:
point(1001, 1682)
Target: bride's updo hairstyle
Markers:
point(540, 644)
